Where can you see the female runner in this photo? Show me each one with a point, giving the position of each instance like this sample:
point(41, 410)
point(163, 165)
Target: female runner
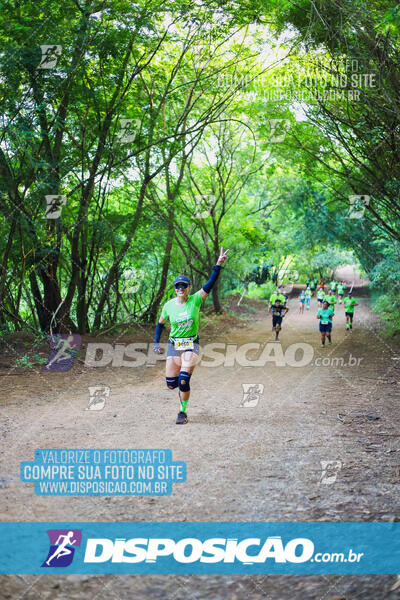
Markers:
point(183, 311)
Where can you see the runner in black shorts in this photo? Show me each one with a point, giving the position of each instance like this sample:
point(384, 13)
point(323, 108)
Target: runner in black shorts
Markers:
point(183, 348)
point(349, 304)
point(325, 316)
point(278, 310)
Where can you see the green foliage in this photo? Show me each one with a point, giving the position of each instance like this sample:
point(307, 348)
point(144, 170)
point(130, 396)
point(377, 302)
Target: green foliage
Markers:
point(24, 362)
point(263, 292)
point(386, 274)
point(388, 308)
point(385, 286)
point(330, 259)
point(201, 167)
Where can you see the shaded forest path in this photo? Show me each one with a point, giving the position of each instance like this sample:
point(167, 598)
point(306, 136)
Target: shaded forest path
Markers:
point(259, 463)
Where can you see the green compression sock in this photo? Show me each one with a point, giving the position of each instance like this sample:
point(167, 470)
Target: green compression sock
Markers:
point(184, 404)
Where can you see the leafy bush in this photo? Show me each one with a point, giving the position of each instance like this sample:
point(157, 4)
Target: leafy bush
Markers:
point(25, 362)
point(260, 291)
point(385, 285)
point(388, 307)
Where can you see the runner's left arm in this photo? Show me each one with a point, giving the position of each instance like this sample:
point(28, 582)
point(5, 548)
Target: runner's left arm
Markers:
point(207, 287)
point(157, 335)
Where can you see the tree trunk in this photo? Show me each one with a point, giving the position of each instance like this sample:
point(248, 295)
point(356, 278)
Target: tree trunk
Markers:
point(215, 298)
point(81, 307)
point(151, 313)
point(81, 304)
point(37, 298)
point(47, 305)
point(113, 272)
point(4, 265)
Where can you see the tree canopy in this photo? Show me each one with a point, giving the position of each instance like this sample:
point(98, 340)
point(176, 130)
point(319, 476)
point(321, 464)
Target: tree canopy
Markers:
point(137, 138)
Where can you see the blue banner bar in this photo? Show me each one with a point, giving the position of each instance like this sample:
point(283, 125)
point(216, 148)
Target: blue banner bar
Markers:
point(223, 548)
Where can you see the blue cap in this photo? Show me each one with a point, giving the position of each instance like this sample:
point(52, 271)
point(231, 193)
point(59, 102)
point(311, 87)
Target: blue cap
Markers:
point(181, 279)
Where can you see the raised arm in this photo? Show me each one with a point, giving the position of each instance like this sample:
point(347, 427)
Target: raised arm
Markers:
point(207, 287)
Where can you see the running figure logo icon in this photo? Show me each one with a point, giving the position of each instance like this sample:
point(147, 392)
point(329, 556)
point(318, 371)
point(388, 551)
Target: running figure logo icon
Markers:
point(62, 542)
point(330, 470)
point(129, 129)
point(98, 394)
point(204, 206)
point(63, 348)
point(50, 55)
point(251, 394)
point(278, 129)
point(133, 279)
point(54, 205)
point(357, 206)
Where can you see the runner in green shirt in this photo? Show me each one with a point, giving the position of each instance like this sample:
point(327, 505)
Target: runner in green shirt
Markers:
point(333, 285)
point(349, 304)
point(320, 297)
point(308, 294)
point(325, 316)
point(183, 311)
point(340, 291)
point(330, 298)
point(313, 285)
point(274, 297)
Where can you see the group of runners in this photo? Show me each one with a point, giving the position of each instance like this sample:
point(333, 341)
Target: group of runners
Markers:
point(326, 306)
point(183, 312)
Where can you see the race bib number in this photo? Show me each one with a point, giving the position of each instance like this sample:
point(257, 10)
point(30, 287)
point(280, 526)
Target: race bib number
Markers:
point(324, 322)
point(183, 344)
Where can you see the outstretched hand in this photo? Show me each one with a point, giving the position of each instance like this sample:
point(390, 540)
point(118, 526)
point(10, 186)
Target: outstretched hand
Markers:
point(222, 256)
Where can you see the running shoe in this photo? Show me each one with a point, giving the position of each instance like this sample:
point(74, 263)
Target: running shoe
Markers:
point(181, 419)
point(329, 343)
point(322, 345)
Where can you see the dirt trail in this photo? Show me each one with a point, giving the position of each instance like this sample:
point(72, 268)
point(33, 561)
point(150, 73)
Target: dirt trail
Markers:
point(243, 464)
